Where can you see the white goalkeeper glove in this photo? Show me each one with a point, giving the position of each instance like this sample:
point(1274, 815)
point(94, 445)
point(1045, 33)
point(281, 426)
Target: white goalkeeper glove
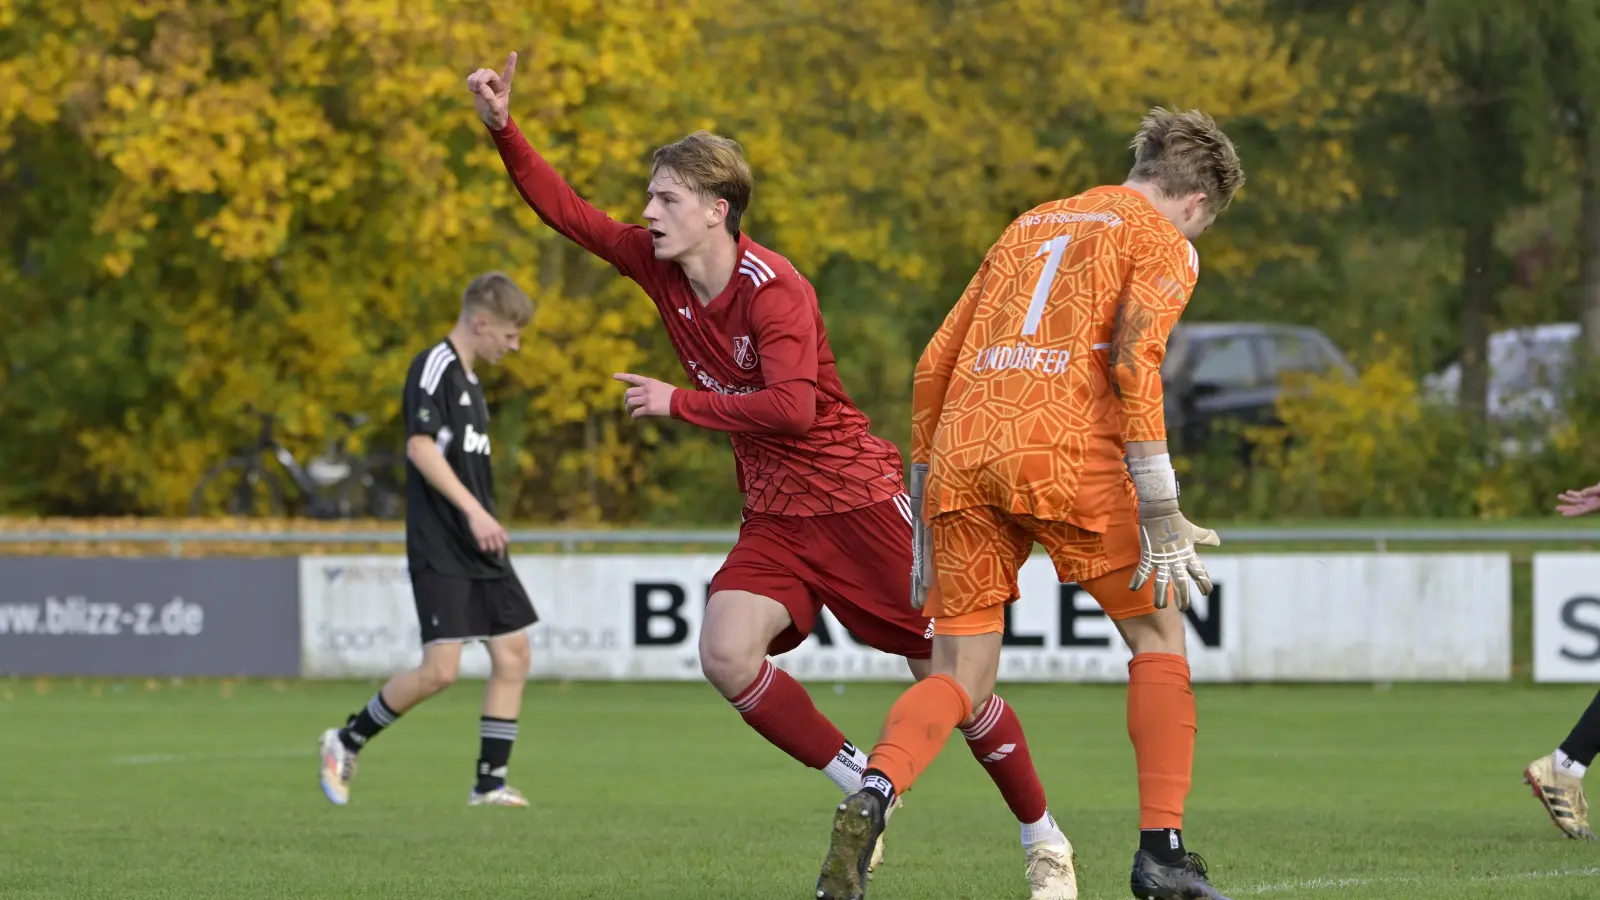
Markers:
point(1166, 539)
point(921, 540)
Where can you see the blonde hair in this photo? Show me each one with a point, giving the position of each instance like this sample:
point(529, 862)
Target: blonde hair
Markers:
point(496, 294)
point(713, 167)
point(1184, 153)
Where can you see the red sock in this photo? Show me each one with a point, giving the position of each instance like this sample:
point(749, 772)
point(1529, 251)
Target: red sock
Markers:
point(1161, 724)
point(998, 744)
point(781, 711)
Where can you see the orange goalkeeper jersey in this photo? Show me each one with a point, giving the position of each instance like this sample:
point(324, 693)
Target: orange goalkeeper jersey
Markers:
point(1051, 361)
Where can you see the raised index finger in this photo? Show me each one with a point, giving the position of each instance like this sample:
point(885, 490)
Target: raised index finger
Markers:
point(511, 68)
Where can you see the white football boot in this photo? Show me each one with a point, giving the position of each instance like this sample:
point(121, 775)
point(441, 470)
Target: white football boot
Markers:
point(338, 767)
point(1052, 873)
point(505, 795)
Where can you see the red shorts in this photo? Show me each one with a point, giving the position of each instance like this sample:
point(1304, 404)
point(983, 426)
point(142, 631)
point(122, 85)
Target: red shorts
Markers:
point(856, 563)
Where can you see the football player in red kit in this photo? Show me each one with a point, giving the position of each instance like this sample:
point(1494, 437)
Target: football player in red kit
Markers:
point(827, 521)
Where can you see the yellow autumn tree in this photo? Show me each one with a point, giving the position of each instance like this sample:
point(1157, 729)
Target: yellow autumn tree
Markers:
point(928, 125)
point(895, 140)
point(227, 206)
point(239, 205)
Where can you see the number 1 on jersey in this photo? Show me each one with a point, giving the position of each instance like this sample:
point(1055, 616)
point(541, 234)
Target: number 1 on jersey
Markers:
point(1056, 247)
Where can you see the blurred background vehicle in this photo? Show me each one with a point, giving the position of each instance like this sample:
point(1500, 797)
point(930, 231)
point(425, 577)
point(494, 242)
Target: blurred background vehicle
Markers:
point(1234, 372)
point(1528, 381)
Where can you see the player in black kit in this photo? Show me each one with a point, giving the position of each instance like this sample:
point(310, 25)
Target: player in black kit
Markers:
point(461, 577)
point(1557, 779)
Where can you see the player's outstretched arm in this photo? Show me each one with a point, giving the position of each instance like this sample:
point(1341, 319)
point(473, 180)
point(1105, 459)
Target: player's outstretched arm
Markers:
point(627, 247)
point(1163, 276)
point(1579, 502)
point(789, 408)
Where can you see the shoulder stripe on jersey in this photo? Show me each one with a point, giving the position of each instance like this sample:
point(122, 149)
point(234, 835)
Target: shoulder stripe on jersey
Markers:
point(439, 359)
point(433, 370)
point(1194, 258)
point(754, 274)
point(760, 263)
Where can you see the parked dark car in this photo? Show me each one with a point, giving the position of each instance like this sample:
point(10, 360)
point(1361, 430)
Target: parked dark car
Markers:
point(1217, 371)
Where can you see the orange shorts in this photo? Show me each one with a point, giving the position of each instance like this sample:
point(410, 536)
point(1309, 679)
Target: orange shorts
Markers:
point(977, 552)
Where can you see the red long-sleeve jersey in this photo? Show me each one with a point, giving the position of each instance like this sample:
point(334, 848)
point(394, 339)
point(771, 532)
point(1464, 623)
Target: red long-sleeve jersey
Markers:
point(757, 357)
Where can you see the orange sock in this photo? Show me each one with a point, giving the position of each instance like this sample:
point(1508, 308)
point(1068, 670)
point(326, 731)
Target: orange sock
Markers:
point(1161, 722)
point(918, 725)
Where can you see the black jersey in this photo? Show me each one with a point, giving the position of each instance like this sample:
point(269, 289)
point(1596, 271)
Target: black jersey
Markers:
point(445, 402)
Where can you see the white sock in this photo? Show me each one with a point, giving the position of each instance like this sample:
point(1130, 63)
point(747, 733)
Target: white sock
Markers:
point(1045, 829)
point(1568, 765)
point(846, 768)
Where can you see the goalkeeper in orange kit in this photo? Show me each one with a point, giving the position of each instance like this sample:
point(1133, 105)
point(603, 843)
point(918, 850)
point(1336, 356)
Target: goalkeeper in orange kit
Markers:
point(1037, 417)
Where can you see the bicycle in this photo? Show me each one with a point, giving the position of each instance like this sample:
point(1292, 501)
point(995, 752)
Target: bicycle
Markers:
point(333, 485)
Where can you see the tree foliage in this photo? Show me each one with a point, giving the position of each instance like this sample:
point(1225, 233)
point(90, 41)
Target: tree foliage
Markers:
point(216, 207)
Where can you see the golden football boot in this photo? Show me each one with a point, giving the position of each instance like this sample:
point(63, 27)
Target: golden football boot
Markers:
point(1562, 796)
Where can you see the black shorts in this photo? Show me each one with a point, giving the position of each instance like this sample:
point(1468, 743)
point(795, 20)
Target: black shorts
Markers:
point(453, 609)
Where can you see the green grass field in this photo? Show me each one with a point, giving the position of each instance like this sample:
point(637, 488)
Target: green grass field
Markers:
point(139, 790)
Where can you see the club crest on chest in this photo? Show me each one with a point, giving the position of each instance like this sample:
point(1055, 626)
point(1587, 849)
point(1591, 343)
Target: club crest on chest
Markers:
point(744, 353)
